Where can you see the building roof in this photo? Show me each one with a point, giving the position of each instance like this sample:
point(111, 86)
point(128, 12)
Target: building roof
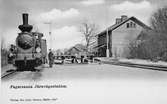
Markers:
point(78, 47)
point(99, 46)
point(75, 49)
point(111, 28)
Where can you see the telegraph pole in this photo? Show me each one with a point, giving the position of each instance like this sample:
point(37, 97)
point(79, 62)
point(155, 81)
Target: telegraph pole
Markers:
point(50, 32)
point(107, 50)
point(107, 35)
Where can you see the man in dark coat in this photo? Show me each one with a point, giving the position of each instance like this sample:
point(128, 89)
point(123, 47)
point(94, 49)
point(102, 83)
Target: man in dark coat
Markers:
point(63, 58)
point(51, 58)
point(82, 58)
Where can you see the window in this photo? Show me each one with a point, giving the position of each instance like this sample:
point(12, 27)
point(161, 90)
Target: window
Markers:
point(131, 25)
point(127, 25)
point(134, 25)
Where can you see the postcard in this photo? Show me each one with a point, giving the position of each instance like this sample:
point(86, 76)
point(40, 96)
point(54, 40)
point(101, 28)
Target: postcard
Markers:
point(83, 51)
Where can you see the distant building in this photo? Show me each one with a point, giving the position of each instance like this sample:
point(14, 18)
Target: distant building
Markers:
point(58, 52)
point(120, 35)
point(78, 50)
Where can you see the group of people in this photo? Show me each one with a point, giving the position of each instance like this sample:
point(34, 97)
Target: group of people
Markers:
point(12, 54)
point(74, 59)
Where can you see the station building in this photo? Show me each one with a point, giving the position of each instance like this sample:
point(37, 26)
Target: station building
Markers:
point(120, 35)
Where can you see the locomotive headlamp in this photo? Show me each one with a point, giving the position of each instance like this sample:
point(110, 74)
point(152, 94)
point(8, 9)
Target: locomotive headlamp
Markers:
point(38, 49)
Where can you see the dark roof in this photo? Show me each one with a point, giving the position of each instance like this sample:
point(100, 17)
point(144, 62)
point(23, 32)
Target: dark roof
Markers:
point(78, 47)
point(111, 28)
point(75, 49)
point(99, 46)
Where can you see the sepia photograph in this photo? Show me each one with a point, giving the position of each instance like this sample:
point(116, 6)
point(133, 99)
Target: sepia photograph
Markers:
point(83, 51)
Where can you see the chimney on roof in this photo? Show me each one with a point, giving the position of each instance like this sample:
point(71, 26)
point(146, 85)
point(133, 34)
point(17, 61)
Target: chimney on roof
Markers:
point(124, 17)
point(118, 20)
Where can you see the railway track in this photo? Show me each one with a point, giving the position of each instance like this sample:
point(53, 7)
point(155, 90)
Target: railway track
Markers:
point(127, 64)
point(8, 74)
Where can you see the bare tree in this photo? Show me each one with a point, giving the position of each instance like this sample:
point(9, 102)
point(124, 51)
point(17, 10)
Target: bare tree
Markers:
point(159, 20)
point(89, 31)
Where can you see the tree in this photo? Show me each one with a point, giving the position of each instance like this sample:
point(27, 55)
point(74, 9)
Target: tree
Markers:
point(159, 20)
point(89, 31)
point(153, 43)
point(4, 52)
point(159, 25)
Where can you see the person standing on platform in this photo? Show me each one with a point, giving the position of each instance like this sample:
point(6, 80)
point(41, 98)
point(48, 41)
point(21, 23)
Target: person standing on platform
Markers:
point(51, 58)
point(63, 58)
point(76, 56)
point(82, 58)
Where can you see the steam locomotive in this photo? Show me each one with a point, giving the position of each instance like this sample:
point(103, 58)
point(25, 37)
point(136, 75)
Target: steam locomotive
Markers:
point(31, 48)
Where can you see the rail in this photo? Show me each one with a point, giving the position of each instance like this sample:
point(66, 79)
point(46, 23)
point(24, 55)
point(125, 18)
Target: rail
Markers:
point(8, 73)
point(127, 64)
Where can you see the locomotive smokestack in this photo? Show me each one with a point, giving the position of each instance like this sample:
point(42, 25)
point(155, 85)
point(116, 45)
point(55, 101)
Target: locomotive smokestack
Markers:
point(25, 27)
point(25, 19)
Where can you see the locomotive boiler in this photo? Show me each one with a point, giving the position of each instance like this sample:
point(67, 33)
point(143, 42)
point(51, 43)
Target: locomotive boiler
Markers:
point(31, 48)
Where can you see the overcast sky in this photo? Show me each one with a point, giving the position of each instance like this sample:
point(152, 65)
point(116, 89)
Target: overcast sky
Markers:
point(67, 15)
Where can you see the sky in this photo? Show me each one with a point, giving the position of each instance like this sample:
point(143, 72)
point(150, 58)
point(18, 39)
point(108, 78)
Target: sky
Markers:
point(66, 17)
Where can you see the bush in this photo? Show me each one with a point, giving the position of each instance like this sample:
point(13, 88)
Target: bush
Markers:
point(153, 46)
